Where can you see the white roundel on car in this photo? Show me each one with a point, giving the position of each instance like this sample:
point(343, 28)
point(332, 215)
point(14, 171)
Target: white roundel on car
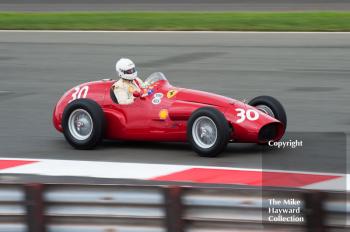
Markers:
point(157, 98)
point(158, 95)
point(156, 101)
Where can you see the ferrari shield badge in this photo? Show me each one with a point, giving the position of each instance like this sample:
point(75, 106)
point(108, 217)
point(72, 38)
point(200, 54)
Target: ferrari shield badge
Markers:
point(171, 93)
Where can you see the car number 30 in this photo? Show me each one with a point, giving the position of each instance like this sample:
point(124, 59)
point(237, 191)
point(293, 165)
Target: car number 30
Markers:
point(79, 93)
point(250, 114)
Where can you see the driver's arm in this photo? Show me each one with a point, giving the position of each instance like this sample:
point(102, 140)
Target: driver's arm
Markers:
point(140, 83)
point(142, 87)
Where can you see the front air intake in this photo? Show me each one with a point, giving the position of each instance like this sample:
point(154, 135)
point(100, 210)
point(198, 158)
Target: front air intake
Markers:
point(268, 132)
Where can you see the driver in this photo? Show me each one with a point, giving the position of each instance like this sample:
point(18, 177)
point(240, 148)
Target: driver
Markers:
point(128, 83)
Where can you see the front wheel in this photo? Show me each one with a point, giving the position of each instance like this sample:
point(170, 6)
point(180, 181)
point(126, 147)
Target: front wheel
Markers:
point(83, 124)
point(271, 107)
point(208, 132)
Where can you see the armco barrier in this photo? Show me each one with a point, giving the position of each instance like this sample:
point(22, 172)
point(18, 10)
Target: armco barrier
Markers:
point(131, 208)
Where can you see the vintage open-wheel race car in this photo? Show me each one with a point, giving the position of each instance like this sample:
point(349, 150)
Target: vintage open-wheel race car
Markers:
point(89, 113)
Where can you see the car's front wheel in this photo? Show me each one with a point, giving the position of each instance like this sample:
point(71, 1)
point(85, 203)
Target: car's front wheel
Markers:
point(83, 124)
point(208, 131)
point(271, 107)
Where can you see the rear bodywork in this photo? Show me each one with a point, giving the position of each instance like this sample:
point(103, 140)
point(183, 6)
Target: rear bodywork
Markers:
point(165, 118)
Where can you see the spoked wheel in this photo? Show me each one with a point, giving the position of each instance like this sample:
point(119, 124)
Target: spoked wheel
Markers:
point(271, 107)
point(208, 132)
point(83, 124)
point(80, 124)
point(204, 132)
point(267, 110)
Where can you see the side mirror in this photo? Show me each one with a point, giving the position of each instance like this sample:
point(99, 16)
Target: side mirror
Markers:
point(136, 94)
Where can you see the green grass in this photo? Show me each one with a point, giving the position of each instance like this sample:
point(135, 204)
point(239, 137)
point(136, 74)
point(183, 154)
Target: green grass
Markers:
point(198, 21)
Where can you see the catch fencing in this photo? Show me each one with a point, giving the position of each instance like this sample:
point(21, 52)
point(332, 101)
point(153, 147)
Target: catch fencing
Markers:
point(136, 208)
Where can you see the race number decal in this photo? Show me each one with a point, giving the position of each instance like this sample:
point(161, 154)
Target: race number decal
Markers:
point(79, 93)
point(157, 98)
point(250, 114)
point(156, 101)
point(158, 95)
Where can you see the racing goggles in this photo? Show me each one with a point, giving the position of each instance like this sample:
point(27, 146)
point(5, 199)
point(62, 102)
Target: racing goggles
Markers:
point(129, 71)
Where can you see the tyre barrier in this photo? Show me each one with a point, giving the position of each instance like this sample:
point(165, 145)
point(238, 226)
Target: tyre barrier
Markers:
point(130, 208)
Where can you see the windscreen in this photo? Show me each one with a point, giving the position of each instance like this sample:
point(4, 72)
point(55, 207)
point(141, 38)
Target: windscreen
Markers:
point(154, 77)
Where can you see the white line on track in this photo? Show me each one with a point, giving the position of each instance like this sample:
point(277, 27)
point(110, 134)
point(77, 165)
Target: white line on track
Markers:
point(184, 32)
point(175, 165)
point(146, 171)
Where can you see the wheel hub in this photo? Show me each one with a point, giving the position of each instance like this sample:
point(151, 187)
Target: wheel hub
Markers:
point(265, 109)
point(80, 124)
point(204, 132)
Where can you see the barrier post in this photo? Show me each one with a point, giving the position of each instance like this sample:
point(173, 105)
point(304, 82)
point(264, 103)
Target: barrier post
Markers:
point(314, 212)
point(35, 208)
point(173, 209)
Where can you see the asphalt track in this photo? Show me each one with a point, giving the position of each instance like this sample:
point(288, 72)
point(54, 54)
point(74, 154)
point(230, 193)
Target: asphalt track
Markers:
point(174, 5)
point(307, 72)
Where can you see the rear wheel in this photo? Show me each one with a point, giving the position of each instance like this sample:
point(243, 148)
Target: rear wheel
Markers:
point(208, 131)
point(83, 124)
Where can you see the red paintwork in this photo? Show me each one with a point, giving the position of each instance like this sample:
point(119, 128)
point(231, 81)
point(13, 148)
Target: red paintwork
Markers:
point(245, 177)
point(141, 120)
point(4, 164)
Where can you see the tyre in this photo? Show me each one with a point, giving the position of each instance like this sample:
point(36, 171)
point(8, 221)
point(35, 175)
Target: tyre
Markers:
point(83, 124)
point(270, 106)
point(208, 132)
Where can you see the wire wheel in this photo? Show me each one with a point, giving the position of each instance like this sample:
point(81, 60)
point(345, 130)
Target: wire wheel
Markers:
point(204, 132)
point(80, 124)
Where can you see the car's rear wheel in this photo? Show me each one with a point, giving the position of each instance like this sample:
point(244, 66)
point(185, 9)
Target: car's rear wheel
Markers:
point(208, 132)
point(83, 124)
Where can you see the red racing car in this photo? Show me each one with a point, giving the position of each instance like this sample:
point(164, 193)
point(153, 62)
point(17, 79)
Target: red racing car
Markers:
point(90, 112)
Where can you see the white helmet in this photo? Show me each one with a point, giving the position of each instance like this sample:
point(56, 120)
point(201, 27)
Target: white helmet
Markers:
point(126, 69)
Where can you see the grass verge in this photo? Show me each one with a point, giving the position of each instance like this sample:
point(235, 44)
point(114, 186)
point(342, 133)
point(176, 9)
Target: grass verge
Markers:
point(178, 21)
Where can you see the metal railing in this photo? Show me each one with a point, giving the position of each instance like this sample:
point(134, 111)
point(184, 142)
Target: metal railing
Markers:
point(127, 208)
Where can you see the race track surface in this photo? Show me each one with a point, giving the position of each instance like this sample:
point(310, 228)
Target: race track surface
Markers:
point(172, 5)
point(308, 72)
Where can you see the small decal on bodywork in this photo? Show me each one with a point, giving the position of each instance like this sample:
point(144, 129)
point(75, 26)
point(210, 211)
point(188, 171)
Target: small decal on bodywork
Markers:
point(171, 93)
